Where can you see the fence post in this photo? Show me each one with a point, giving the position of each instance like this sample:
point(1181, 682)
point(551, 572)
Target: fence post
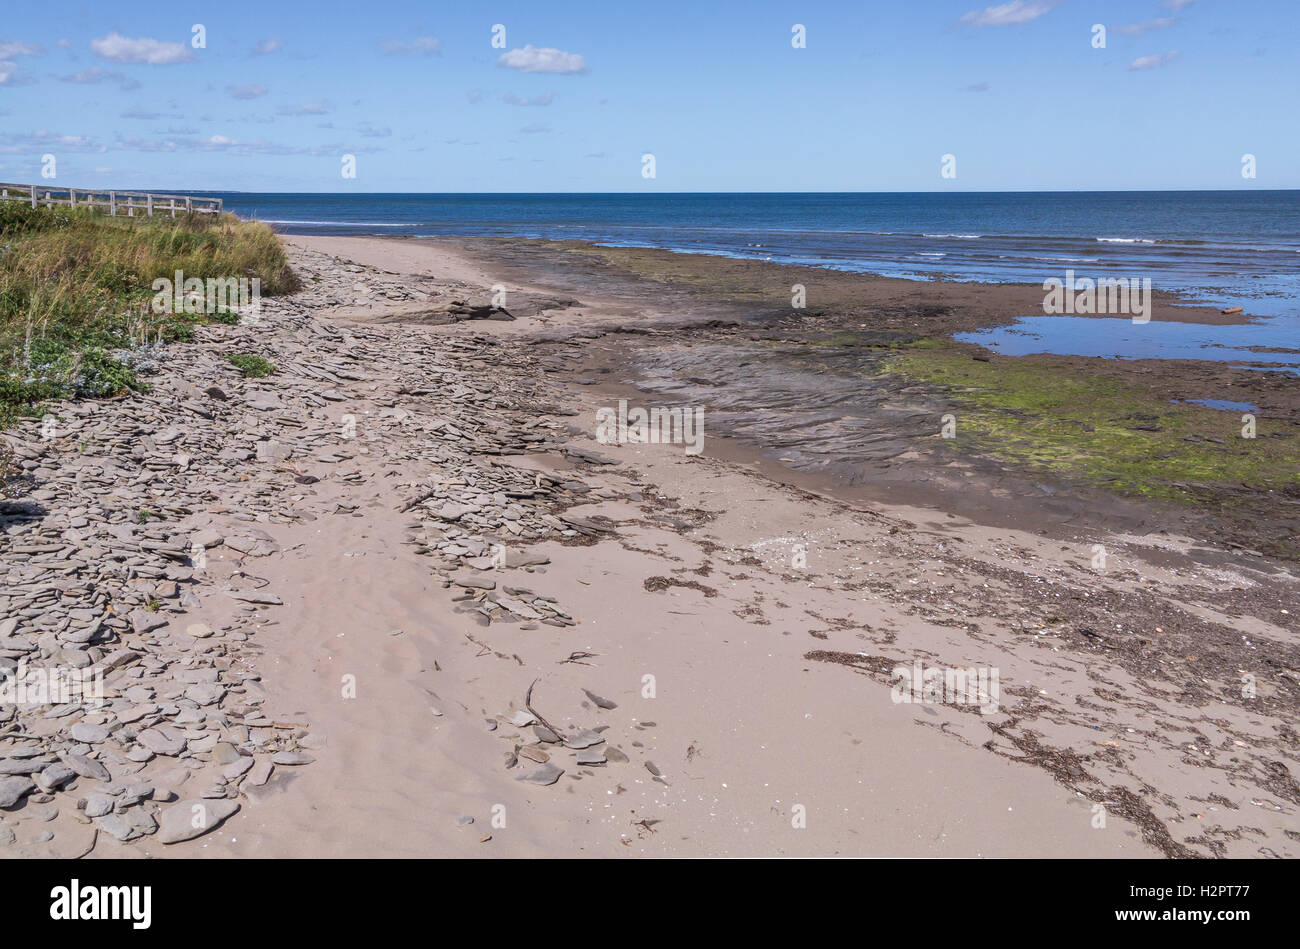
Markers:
point(173, 207)
point(112, 204)
point(149, 201)
point(33, 195)
point(72, 198)
point(189, 204)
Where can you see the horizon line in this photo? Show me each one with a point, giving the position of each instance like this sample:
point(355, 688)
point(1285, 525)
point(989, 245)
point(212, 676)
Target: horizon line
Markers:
point(675, 193)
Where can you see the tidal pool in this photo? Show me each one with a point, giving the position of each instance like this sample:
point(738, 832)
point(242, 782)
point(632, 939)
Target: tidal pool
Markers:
point(1271, 341)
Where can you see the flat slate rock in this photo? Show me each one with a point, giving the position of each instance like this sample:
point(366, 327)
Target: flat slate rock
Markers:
point(260, 773)
point(88, 733)
point(13, 788)
point(584, 739)
point(598, 700)
point(193, 818)
point(86, 767)
point(160, 743)
point(548, 773)
point(253, 596)
point(292, 757)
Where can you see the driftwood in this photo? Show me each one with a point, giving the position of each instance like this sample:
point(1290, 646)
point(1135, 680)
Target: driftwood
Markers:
point(528, 704)
point(418, 499)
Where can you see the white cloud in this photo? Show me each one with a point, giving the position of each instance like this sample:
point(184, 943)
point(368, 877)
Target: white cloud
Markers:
point(535, 129)
point(93, 75)
point(10, 76)
point(8, 50)
point(309, 108)
point(123, 49)
point(545, 99)
point(533, 59)
point(136, 144)
point(213, 143)
point(246, 92)
point(1146, 26)
point(1152, 62)
point(266, 47)
point(422, 45)
point(1008, 14)
point(16, 143)
point(1178, 4)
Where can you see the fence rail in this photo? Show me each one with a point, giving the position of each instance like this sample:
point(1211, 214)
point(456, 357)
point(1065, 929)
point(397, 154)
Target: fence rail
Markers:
point(114, 202)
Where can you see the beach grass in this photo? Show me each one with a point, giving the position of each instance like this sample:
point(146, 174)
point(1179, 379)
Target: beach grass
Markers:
point(250, 365)
point(76, 294)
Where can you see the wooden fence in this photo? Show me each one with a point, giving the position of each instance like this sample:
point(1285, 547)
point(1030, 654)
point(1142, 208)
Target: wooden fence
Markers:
point(114, 202)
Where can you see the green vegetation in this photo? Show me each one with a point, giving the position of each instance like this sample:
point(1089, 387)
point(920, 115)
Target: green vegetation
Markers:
point(252, 367)
point(76, 289)
point(1054, 419)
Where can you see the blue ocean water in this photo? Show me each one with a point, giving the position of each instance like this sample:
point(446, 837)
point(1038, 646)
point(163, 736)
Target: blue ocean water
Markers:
point(1227, 248)
point(1242, 243)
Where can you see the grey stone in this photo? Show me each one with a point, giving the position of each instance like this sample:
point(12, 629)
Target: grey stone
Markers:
point(86, 767)
point(260, 773)
point(192, 818)
point(598, 700)
point(13, 788)
point(205, 693)
point(118, 826)
point(547, 774)
point(97, 804)
point(584, 739)
point(160, 742)
point(89, 733)
point(253, 596)
point(54, 777)
point(292, 757)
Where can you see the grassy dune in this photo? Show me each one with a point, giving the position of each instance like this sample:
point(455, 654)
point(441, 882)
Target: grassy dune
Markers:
point(76, 293)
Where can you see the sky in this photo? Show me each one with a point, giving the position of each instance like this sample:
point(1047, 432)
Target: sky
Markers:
point(489, 96)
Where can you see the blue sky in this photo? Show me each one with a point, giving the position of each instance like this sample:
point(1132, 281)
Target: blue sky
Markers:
point(579, 92)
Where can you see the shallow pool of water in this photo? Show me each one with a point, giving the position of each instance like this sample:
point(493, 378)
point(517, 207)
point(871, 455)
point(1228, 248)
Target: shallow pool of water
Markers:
point(1224, 404)
point(1274, 341)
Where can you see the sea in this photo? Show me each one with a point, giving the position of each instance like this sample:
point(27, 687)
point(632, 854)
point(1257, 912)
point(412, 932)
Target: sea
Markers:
point(1224, 248)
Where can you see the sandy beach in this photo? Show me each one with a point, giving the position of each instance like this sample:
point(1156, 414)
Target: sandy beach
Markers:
point(442, 619)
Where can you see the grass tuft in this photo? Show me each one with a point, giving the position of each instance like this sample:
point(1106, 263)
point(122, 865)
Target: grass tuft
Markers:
point(251, 366)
